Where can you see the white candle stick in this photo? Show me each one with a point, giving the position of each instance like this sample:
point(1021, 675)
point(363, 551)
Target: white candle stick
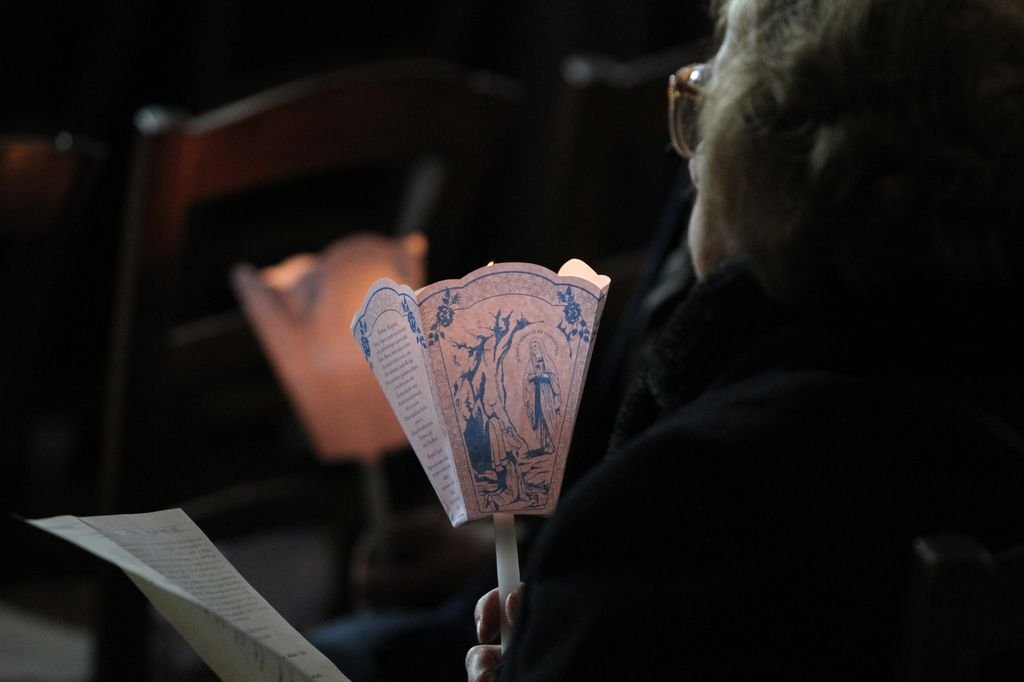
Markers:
point(507, 553)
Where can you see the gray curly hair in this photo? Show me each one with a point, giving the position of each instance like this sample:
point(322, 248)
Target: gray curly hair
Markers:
point(854, 148)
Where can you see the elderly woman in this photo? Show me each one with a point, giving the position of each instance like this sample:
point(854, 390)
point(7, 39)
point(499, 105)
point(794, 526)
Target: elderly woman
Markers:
point(846, 376)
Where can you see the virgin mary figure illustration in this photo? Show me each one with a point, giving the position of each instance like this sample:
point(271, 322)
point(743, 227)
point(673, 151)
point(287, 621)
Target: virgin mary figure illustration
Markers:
point(542, 396)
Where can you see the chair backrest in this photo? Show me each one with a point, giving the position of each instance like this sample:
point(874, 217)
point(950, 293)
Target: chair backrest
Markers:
point(609, 140)
point(428, 129)
point(611, 167)
point(965, 613)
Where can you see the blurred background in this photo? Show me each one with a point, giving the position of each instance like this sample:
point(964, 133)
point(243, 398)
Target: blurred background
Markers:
point(131, 380)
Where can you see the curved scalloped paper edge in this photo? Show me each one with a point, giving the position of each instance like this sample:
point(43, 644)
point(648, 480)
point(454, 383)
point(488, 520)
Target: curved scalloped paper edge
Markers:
point(574, 267)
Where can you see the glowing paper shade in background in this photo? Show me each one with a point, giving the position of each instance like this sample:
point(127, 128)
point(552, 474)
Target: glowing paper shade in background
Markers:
point(301, 309)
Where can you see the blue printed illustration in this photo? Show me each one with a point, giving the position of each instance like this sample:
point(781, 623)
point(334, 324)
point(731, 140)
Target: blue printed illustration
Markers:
point(492, 439)
point(542, 396)
point(364, 342)
point(508, 359)
point(410, 317)
point(445, 316)
point(572, 323)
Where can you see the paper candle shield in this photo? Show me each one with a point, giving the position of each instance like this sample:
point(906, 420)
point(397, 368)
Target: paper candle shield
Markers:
point(485, 374)
point(299, 310)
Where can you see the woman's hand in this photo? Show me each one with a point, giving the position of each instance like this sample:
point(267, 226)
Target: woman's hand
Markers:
point(482, 661)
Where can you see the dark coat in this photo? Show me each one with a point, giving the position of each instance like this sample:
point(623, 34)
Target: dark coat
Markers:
point(755, 515)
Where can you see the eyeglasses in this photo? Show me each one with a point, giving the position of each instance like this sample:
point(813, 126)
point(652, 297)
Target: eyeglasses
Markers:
point(686, 88)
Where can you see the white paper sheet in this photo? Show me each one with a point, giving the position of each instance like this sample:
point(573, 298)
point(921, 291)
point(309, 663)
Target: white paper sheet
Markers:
point(231, 627)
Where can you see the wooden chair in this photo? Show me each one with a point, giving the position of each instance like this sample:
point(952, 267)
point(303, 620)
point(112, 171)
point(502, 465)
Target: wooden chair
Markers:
point(193, 408)
point(965, 614)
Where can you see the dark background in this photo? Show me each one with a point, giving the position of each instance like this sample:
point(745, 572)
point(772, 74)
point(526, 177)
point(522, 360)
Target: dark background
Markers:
point(87, 67)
